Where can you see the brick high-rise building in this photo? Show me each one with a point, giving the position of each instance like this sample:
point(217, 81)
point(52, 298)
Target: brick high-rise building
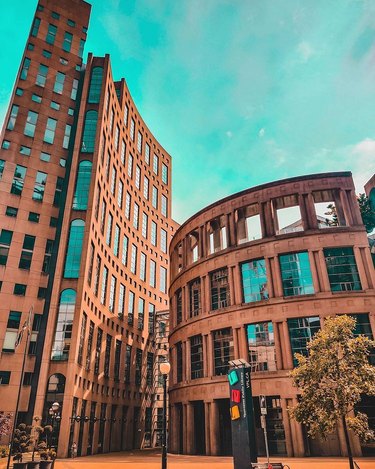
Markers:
point(85, 210)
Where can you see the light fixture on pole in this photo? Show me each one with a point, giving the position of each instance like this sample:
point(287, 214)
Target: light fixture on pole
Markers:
point(165, 368)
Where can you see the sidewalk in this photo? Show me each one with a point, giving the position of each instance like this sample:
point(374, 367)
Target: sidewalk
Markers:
point(152, 460)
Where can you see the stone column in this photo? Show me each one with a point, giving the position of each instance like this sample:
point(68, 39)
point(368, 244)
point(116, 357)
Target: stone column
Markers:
point(190, 447)
point(367, 263)
point(232, 241)
point(184, 253)
point(187, 360)
point(204, 295)
point(279, 360)
point(242, 343)
point(314, 272)
point(201, 248)
point(270, 279)
point(276, 275)
point(372, 322)
point(287, 429)
point(311, 213)
point(207, 432)
point(320, 263)
point(354, 209)
point(236, 350)
point(286, 347)
point(184, 363)
point(361, 268)
point(231, 285)
point(339, 209)
point(210, 355)
point(173, 435)
point(186, 303)
point(346, 209)
point(214, 429)
point(297, 435)
point(237, 285)
point(205, 355)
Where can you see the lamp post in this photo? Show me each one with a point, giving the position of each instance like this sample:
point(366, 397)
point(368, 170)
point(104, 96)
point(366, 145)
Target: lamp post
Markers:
point(165, 368)
point(54, 413)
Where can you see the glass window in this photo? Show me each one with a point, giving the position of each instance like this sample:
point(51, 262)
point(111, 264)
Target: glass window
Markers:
point(127, 205)
point(133, 261)
point(27, 252)
point(98, 351)
point(34, 217)
point(11, 211)
point(153, 233)
point(155, 164)
point(30, 125)
point(46, 53)
point(58, 191)
point(144, 224)
point(35, 27)
point(95, 85)
point(151, 318)
point(120, 192)
point(4, 377)
point(179, 305)
point(301, 331)
point(219, 289)
point(195, 297)
point(19, 91)
point(73, 94)
point(254, 281)
point(136, 216)
point(81, 47)
point(142, 268)
point(139, 142)
point(41, 77)
point(89, 132)
point(116, 371)
point(137, 177)
point(163, 279)
point(113, 180)
point(124, 257)
point(18, 180)
point(128, 355)
point(47, 256)
point(131, 308)
point(154, 197)
point(26, 151)
point(164, 205)
point(103, 294)
point(138, 367)
point(112, 294)
point(45, 156)
point(149, 381)
point(261, 344)
point(108, 237)
point(163, 240)
point(179, 361)
point(223, 350)
point(5, 145)
point(51, 34)
point(141, 313)
point(145, 187)
point(55, 15)
point(342, 269)
point(54, 105)
point(116, 242)
point(82, 337)
point(107, 355)
point(66, 139)
point(196, 356)
point(71, 23)
point(5, 241)
point(67, 43)
point(25, 68)
point(296, 274)
point(49, 134)
point(121, 301)
point(130, 165)
point(152, 273)
point(164, 173)
point(59, 83)
point(81, 193)
point(74, 249)
point(39, 186)
point(132, 129)
point(147, 153)
point(12, 117)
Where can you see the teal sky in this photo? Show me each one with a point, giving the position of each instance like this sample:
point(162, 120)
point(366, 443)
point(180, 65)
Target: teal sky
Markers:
point(240, 92)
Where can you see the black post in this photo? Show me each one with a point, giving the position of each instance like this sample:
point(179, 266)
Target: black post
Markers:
point(164, 440)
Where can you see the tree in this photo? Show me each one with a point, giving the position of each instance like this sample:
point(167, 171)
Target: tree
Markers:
point(333, 213)
point(5, 423)
point(331, 380)
point(367, 212)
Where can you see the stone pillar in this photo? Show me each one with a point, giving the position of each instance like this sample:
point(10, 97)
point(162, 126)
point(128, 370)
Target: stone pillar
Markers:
point(231, 229)
point(286, 347)
point(270, 288)
point(339, 209)
point(237, 285)
point(276, 332)
point(187, 361)
point(314, 272)
point(268, 218)
point(303, 210)
point(275, 220)
point(367, 262)
point(210, 355)
point(297, 435)
point(205, 307)
point(320, 263)
point(354, 208)
point(276, 275)
point(361, 268)
point(372, 322)
point(207, 432)
point(173, 424)
point(186, 304)
point(205, 356)
point(201, 248)
point(242, 343)
point(345, 207)
point(231, 286)
point(190, 447)
point(236, 350)
point(262, 216)
point(288, 433)
point(184, 362)
point(214, 429)
point(311, 213)
point(184, 253)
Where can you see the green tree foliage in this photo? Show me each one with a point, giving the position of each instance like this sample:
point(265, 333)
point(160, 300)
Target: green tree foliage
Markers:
point(333, 213)
point(367, 212)
point(5, 423)
point(331, 380)
point(21, 441)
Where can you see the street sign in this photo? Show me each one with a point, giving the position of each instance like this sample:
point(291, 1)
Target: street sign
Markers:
point(263, 405)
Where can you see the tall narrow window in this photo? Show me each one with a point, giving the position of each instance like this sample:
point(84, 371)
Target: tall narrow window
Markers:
point(41, 77)
point(179, 305)
point(163, 240)
point(138, 367)
point(97, 274)
point(196, 356)
point(74, 250)
point(128, 356)
point(179, 361)
point(103, 294)
point(142, 267)
point(51, 34)
point(133, 262)
point(49, 134)
point(58, 191)
point(89, 346)
point(301, 331)
point(154, 200)
point(12, 117)
point(64, 326)
point(131, 308)
point(132, 129)
point(116, 241)
point(150, 371)
point(130, 165)
point(145, 187)
point(73, 94)
point(116, 370)
point(139, 142)
point(35, 27)
point(47, 256)
point(296, 274)
point(152, 273)
point(67, 43)
point(163, 279)
point(126, 114)
point(164, 173)
point(120, 193)
point(89, 131)
point(136, 216)
point(66, 140)
point(109, 229)
point(153, 233)
point(91, 263)
point(164, 205)
point(112, 294)
point(151, 318)
point(219, 289)
point(137, 177)
point(223, 350)
point(107, 355)
point(81, 48)
point(195, 297)
point(127, 205)
point(342, 269)
point(30, 125)
point(39, 186)
point(2, 166)
point(95, 85)
point(25, 68)
point(254, 281)
point(141, 313)
point(261, 343)
point(82, 337)
point(147, 153)
point(124, 256)
point(144, 224)
point(5, 241)
point(121, 301)
point(82, 188)
point(18, 180)
point(155, 164)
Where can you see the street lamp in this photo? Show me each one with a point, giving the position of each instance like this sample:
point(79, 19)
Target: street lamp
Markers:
point(165, 368)
point(55, 416)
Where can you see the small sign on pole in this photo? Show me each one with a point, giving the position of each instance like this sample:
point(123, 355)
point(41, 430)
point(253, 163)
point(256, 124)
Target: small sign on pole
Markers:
point(263, 405)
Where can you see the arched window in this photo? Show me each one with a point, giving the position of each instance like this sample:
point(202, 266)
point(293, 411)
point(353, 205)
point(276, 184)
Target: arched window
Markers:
point(89, 131)
point(64, 325)
point(81, 192)
point(95, 85)
point(73, 253)
point(55, 393)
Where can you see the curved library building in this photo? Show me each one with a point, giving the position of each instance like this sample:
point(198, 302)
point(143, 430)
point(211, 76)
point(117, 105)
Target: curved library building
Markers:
point(253, 276)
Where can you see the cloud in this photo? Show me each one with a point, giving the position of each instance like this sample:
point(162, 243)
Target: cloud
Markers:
point(261, 132)
point(305, 51)
point(229, 134)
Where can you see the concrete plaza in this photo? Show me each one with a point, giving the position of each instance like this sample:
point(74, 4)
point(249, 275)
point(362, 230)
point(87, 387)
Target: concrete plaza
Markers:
point(151, 460)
